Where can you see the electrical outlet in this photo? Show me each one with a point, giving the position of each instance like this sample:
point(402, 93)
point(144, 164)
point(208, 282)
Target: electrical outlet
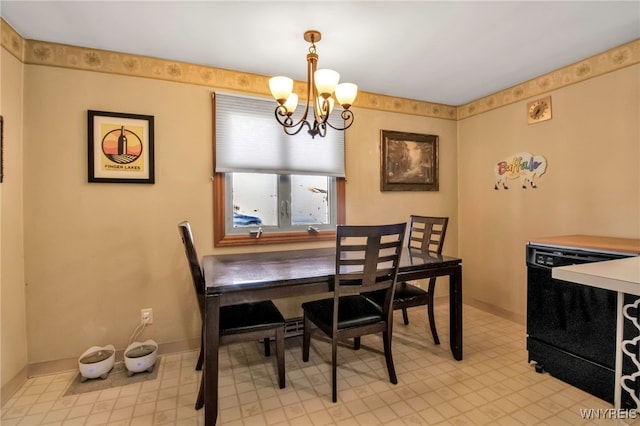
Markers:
point(146, 315)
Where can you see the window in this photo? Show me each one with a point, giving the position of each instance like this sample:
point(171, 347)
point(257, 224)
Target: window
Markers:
point(279, 202)
point(270, 187)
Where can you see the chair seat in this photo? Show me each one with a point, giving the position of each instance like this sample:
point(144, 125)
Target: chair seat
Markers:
point(353, 311)
point(249, 317)
point(405, 295)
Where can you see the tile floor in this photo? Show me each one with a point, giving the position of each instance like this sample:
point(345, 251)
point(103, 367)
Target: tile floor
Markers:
point(493, 385)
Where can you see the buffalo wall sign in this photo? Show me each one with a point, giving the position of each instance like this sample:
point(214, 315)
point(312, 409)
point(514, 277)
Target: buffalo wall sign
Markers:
point(523, 166)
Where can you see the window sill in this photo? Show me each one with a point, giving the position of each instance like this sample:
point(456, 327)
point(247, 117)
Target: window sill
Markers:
point(275, 238)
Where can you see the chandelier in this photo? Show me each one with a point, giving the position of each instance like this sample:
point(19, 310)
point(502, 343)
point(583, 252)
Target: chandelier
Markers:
point(322, 84)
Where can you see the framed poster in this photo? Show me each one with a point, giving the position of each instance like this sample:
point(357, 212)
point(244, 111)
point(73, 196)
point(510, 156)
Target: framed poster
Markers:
point(409, 161)
point(120, 147)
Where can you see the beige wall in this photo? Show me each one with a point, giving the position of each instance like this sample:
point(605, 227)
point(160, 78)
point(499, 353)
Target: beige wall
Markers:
point(591, 186)
point(13, 331)
point(97, 253)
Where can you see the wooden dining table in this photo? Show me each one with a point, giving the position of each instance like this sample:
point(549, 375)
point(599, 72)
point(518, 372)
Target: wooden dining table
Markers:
point(250, 277)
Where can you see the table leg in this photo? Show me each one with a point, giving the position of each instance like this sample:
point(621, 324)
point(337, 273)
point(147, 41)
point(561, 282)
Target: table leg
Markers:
point(455, 313)
point(210, 371)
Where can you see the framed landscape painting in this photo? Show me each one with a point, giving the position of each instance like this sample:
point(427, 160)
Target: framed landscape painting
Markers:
point(120, 147)
point(409, 161)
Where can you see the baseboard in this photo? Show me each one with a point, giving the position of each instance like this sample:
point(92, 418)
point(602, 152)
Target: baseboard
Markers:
point(13, 385)
point(500, 312)
point(70, 364)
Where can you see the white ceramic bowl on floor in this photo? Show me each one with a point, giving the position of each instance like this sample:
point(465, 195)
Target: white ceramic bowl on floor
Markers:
point(140, 357)
point(96, 362)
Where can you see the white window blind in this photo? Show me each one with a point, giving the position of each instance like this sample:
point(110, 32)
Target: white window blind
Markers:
point(250, 140)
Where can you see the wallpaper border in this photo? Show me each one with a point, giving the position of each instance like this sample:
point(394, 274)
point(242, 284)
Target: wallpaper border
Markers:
point(611, 60)
point(81, 58)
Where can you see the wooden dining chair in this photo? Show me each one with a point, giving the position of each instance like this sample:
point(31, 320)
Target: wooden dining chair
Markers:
point(427, 235)
point(367, 259)
point(243, 322)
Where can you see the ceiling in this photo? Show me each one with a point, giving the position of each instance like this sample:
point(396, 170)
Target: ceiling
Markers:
point(449, 52)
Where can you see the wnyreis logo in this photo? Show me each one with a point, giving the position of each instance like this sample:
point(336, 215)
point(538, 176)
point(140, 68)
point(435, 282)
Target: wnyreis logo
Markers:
point(608, 414)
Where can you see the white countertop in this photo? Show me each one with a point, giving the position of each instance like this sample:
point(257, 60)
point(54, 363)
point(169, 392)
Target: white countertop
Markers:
point(621, 275)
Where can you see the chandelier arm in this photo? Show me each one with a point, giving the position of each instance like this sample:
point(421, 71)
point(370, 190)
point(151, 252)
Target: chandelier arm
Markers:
point(324, 111)
point(322, 129)
point(347, 116)
point(288, 126)
point(289, 130)
point(285, 119)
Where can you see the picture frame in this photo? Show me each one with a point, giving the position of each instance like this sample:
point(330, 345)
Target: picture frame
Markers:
point(121, 147)
point(409, 161)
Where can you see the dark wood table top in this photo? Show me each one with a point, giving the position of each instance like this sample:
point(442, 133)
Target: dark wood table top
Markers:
point(237, 272)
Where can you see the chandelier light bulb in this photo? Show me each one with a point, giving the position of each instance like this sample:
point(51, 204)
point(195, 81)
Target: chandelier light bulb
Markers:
point(291, 103)
point(346, 93)
point(281, 87)
point(321, 106)
point(326, 81)
point(331, 104)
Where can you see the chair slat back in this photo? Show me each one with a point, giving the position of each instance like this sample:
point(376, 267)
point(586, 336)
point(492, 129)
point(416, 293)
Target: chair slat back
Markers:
point(194, 264)
point(427, 233)
point(367, 257)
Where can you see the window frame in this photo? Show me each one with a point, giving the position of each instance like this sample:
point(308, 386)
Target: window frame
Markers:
point(222, 239)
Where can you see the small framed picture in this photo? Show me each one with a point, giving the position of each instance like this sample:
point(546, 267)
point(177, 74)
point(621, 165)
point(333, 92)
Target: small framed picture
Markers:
point(409, 161)
point(120, 147)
